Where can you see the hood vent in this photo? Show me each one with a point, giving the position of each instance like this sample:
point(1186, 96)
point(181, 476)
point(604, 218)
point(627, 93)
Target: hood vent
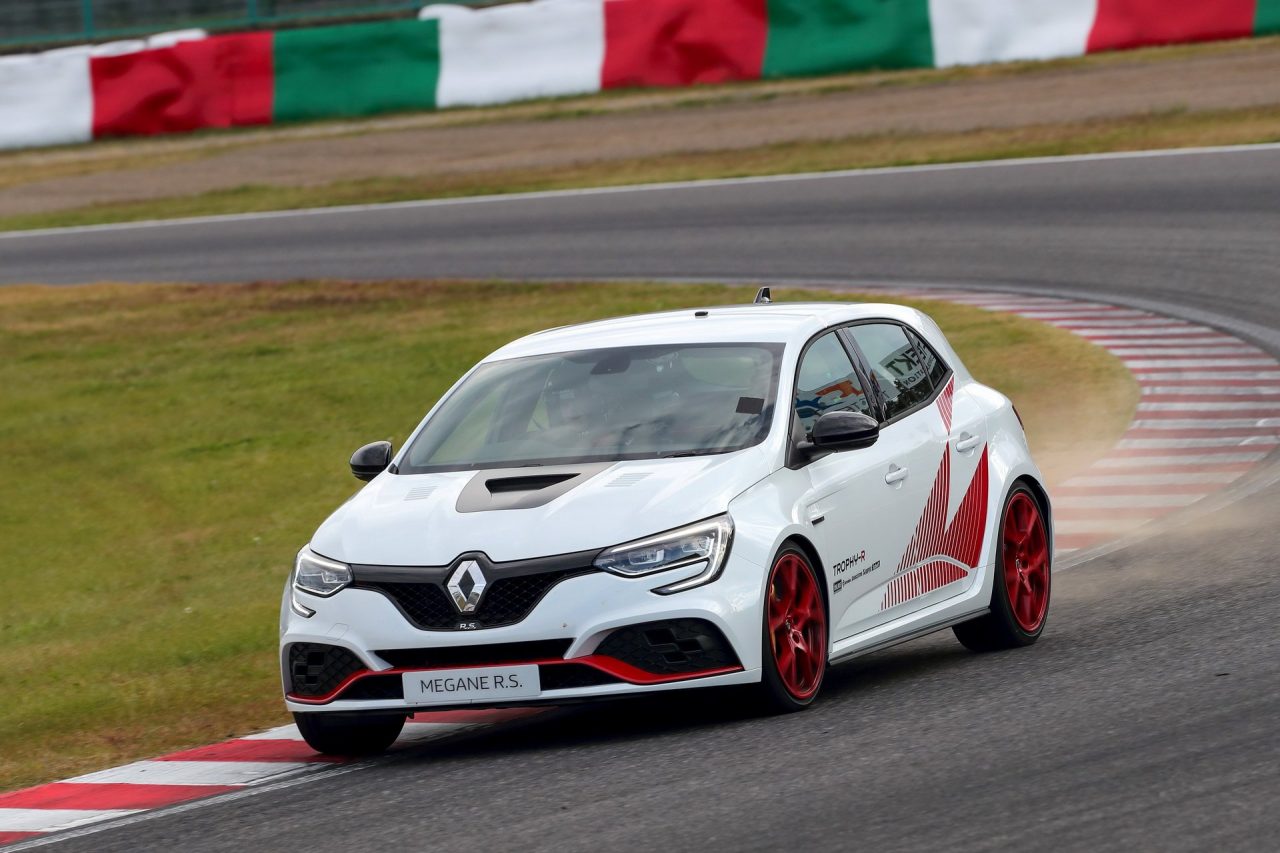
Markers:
point(505, 485)
point(520, 488)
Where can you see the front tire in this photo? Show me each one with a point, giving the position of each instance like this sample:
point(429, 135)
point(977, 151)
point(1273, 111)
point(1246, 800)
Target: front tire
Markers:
point(1020, 591)
point(794, 634)
point(350, 735)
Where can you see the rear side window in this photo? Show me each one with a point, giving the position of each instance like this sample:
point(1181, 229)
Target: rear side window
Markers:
point(827, 382)
point(896, 367)
point(933, 365)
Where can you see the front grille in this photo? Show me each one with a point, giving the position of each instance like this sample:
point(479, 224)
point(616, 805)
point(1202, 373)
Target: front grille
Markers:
point(671, 647)
point(506, 601)
point(493, 653)
point(316, 669)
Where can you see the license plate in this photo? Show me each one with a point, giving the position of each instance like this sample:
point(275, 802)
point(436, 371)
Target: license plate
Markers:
point(477, 684)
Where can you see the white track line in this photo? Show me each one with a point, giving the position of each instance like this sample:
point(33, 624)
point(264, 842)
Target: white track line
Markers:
point(1199, 363)
point(51, 820)
point(289, 732)
point(1214, 352)
point(1207, 423)
point(1182, 331)
point(1238, 406)
point(1066, 314)
point(1189, 460)
point(1188, 478)
point(1210, 377)
point(1215, 343)
point(1213, 391)
point(1139, 500)
point(200, 772)
point(1144, 322)
point(1186, 443)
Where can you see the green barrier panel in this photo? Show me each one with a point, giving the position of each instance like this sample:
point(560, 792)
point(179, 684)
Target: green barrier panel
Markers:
point(825, 36)
point(1267, 18)
point(356, 70)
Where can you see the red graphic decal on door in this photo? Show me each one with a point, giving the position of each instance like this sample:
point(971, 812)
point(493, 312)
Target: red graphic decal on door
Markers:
point(942, 553)
point(920, 580)
point(944, 403)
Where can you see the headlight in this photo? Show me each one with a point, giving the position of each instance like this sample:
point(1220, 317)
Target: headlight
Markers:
point(319, 575)
point(707, 540)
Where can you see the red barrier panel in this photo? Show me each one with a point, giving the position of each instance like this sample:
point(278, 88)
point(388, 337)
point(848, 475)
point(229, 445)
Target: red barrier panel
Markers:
point(682, 42)
point(1123, 24)
point(221, 81)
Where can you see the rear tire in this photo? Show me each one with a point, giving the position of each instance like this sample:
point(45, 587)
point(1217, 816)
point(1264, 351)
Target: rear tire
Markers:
point(794, 634)
point(1023, 572)
point(343, 734)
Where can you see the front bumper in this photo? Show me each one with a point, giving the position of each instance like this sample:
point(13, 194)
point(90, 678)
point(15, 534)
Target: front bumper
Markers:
point(567, 634)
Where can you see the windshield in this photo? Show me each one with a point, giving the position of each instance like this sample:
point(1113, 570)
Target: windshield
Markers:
point(603, 405)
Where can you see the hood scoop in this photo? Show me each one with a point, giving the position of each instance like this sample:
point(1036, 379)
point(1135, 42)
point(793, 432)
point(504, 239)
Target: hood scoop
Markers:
point(519, 488)
point(504, 485)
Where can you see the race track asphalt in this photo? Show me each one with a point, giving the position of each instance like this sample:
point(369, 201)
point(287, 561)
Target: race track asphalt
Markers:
point(1148, 717)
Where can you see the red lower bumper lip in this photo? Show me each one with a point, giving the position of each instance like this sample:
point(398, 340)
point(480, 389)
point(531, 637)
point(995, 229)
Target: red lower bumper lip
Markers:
point(609, 665)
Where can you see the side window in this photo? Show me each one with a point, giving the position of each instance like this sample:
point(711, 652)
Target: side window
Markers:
point(933, 365)
point(895, 367)
point(826, 382)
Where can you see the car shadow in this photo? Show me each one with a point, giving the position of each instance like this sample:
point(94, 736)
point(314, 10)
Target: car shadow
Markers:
point(683, 711)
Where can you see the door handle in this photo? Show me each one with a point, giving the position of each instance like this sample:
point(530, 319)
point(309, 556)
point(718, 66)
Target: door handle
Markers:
point(896, 475)
point(967, 442)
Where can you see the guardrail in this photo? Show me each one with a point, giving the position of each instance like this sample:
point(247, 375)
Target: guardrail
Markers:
point(42, 22)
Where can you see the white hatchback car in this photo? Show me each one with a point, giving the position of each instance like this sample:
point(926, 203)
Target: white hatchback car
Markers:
point(701, 498)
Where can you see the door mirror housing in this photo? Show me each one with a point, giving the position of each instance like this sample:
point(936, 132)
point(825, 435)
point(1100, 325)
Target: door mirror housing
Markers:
point(371, 460)
point(844, 431)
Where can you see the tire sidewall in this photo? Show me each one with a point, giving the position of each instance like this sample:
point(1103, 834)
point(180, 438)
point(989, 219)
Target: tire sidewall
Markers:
point(1000, 604)
point(770, 678)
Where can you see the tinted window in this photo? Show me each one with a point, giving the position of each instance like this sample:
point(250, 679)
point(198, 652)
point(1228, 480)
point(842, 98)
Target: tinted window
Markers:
point(895, 367)
point(933, 365)
point(827, 382)
point(603, 405)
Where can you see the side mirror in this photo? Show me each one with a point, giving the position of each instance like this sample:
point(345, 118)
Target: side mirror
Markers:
point(844, 431)
point(371, 460)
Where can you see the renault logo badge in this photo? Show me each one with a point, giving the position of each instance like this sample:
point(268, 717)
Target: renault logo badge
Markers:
point(466, 586)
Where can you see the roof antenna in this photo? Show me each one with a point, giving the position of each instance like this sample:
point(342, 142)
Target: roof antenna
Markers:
point(763, 297)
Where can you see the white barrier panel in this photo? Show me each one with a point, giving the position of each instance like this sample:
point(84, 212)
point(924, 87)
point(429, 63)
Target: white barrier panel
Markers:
point(173, 37)
point(969, 32)
point(45, 99)
point(521, 51)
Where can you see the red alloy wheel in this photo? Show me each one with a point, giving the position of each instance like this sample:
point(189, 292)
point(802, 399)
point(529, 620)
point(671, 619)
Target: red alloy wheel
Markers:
point(1026, 562)
point(797, 625)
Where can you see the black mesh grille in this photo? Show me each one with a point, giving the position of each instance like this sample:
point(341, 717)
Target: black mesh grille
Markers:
point(315, 669)
point(671, 647)
point(426, 605)
point(493, 653)
point(563, 676)
point(507, 600)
